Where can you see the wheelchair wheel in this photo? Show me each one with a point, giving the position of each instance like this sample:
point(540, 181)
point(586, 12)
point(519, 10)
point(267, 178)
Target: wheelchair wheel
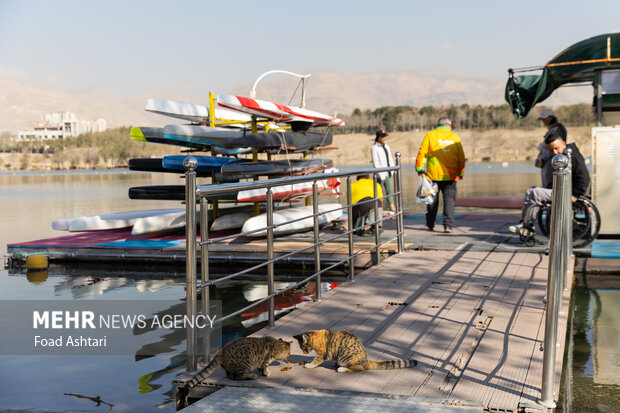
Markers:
point(586, 221)
point(528, 240)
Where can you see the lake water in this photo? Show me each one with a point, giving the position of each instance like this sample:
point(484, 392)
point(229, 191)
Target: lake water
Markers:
point(31, 201)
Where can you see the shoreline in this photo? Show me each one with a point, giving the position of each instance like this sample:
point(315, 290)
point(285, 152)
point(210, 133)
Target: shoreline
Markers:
point(523, 168)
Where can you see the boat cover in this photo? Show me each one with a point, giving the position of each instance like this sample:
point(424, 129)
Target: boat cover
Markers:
point(578, 63)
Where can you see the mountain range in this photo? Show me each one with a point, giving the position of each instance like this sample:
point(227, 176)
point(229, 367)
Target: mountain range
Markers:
point(327, 91)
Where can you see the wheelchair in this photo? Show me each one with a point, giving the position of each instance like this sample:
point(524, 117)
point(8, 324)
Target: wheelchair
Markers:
point(586, 222)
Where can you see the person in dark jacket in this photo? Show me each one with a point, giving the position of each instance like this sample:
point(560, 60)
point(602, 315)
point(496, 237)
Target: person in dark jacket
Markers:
point(543, 161)
point(536, 196)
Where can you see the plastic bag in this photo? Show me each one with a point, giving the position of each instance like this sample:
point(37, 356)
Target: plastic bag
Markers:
point(426, 192)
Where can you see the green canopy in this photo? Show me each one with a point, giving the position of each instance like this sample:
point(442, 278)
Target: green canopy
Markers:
point(578, 63)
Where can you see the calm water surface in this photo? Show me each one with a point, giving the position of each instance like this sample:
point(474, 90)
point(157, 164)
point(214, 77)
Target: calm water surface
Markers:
point(30, 202)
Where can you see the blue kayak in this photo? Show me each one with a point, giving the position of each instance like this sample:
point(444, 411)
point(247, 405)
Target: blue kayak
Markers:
point(205, 163)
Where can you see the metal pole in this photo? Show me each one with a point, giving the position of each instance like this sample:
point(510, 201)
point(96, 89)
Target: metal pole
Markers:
point(351, 225)
point(569, 217)
point(190, 163)
point(270, 275)
point(599, 99)
point(204, 276)
point(376, 225)
point(317, 248)
point(399, 206)
point(554, 288)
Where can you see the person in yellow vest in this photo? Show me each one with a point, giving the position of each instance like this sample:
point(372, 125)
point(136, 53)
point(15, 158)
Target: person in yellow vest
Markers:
point(362, 194)
point(442, 160)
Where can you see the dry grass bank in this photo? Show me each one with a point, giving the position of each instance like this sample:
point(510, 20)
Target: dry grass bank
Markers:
point(498, 145)
point(492, 145)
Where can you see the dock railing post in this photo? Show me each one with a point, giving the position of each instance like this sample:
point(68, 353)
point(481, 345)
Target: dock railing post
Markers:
point(190, 163)
point(204, 277)
point(557, 264)
point(569, 217)
point(270, 274)
point(377, 218)
point(317, 247)
point(399, 205)
point(351, 225)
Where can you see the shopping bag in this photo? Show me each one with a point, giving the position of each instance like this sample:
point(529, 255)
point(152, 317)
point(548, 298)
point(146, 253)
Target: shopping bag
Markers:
point(426, 192)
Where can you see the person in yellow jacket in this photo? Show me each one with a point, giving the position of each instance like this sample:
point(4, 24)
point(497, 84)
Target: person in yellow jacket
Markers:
point(442, 160)
point(363, 214)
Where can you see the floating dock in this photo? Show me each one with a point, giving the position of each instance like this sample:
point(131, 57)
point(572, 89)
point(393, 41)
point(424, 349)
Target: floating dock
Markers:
point(477, 232)
point(114, 246)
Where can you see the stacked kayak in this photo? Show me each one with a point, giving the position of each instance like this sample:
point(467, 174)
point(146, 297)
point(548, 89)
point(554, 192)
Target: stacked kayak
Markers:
point(331, 212)
point(229, 128)
point(174, 163)
point(293, 167)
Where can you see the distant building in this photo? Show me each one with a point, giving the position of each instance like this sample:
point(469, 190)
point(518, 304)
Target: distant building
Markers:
point(60, 125)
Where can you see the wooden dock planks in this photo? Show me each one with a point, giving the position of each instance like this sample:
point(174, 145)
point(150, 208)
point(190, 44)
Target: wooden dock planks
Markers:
point(474, 321)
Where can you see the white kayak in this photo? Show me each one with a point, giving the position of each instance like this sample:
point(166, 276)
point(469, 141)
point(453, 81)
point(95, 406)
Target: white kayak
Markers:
point(115, 220)
point(230, 221)
point(172, 220)
point(192, 111)
point(176, 220)
point(281, 216)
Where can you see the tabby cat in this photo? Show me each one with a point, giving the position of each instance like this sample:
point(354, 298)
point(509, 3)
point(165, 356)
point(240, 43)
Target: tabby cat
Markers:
point(243, 355)
point(345, 349)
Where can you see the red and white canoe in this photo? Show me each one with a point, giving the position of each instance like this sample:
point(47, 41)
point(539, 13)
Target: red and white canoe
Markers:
point(275, 111)
point(281, 193)
point(285, 193)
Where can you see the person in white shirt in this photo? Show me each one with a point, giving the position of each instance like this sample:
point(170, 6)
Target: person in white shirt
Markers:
point(382, 158)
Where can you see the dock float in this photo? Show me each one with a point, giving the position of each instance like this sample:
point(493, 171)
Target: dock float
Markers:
point(474, 321)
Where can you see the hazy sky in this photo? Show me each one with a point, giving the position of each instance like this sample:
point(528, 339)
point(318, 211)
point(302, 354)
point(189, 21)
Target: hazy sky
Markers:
point(191, 47)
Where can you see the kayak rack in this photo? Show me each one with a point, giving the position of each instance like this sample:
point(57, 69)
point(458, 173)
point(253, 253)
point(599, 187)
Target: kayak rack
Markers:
point(194, 194)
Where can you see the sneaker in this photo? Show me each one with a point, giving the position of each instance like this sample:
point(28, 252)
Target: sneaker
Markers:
point(516, 229)
point(527, 232)
point(447, 230)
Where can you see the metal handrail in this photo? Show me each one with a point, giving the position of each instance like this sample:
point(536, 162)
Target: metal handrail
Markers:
point(226, 188)
point(194, 192)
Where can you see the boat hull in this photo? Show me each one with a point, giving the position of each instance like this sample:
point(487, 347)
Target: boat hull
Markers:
point(282, 216)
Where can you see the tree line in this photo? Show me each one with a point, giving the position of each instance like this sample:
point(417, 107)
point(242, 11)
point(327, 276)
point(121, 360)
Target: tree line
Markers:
point(478, 117)
point(115, 146)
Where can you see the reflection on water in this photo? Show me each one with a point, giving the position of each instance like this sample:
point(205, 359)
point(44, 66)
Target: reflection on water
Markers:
point(135, 382)
point(591, 376)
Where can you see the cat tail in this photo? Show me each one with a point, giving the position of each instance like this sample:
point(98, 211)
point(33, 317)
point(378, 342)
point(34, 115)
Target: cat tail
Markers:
point(206, 372)
point(390, 364)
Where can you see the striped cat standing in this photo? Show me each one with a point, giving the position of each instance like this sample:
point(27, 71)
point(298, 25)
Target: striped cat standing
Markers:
point(243, 355)
point(345, 349)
